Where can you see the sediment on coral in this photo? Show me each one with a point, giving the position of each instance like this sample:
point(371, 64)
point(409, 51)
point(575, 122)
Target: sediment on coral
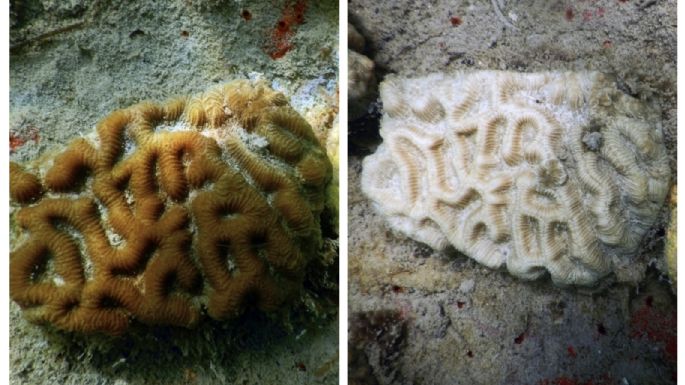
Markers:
point(210, 202)
point(549, 173)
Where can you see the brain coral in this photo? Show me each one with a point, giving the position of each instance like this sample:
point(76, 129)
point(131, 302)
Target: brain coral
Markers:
point(551, 172)
point(207, 202)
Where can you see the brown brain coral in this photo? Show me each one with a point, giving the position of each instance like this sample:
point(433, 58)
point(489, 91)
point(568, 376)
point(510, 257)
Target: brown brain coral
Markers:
point(212, 201)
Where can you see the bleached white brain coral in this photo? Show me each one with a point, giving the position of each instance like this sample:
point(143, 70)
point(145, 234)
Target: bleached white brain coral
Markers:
point(547, 172)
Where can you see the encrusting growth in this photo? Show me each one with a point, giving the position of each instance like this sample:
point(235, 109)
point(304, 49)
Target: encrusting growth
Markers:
point(212, 201)
point(556, 173)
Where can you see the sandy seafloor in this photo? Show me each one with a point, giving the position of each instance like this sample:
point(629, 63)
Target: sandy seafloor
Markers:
point(73, 62)
point(422, 317)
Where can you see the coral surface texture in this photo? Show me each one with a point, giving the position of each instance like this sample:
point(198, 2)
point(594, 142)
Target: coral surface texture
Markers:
point(558, 173)
point(209, 202)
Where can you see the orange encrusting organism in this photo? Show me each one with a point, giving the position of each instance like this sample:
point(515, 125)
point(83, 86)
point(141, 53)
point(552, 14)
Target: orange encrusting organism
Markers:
point(171, 210)
point(279, 41)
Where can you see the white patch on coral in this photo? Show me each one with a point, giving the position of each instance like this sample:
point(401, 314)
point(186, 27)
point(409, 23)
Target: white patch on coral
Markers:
point(509, 168)
point(179, 125)
point(253, 141)
point(58, 280)
point(115, 240)
point(93, 138)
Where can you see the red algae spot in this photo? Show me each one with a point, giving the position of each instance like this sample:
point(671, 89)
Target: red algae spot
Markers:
point(671, 349)
point(622, 1)
point(518, 340)
point(607, 44)
point(456, 21)
point(282, 27)
point(245, 14)
point(656, 325)
point(603, 380)
point(600, 12)
point(568, 14)
point(279, 42)
point(16, 142)
point(571, 351)
point(587, 15)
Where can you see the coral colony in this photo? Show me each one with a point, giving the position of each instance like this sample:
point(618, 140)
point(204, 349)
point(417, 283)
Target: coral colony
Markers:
point(208, 202)
point(557, 173)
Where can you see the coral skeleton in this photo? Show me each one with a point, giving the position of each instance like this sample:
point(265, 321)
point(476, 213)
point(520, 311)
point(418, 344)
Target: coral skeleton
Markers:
point(210, 202)
point(557, 173)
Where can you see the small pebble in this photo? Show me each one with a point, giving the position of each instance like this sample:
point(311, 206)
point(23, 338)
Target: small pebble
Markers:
point(467, 286)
